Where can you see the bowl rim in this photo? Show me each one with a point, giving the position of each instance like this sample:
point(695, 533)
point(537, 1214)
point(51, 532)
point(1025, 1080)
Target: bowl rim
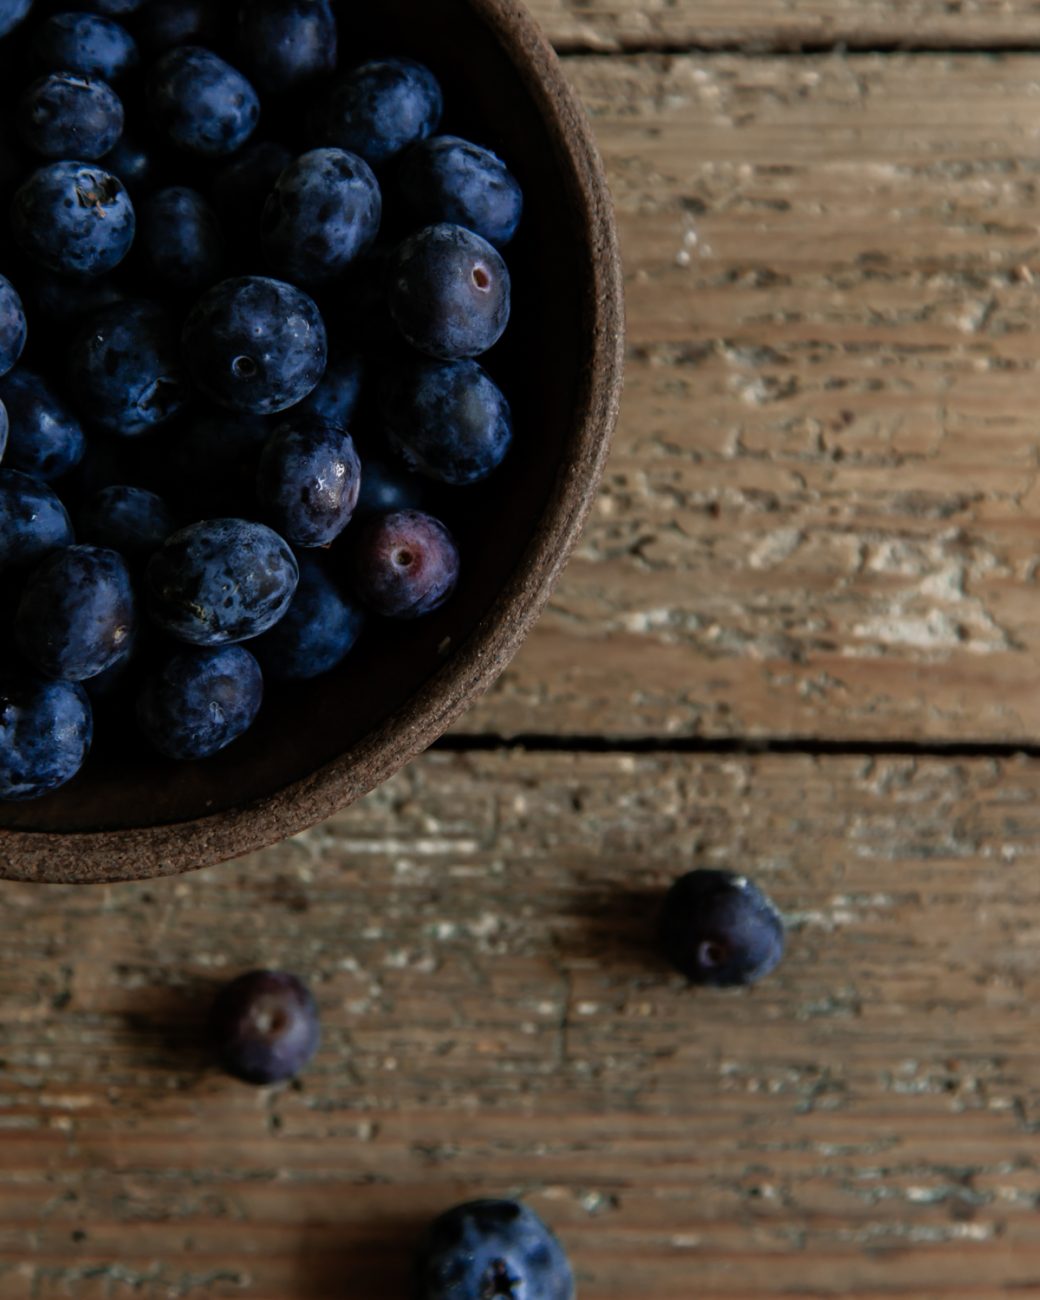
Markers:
point(155, 851)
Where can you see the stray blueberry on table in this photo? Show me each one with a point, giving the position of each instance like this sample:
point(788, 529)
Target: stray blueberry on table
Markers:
point(45, 438)
point(68, 115)
point(492, 1250)
point(448, 179)
point(86, 44)
point(45, 733)
point(221, 580)
point(264, 1027)
point(181, 239)
point(284, 44)
point(124, 368)
point(720, 929)
point(33, 521)
point(76, 613)
point(195, 703)
point(323, 212)
point(255, 344)
point(200, 103)
point(380, 108)
point(403, 564)
point(449, 292)
point(74, 218)
point(318, 632)
point(447, 420)
point(130, 520)
point(13, 325)
point(309, 480)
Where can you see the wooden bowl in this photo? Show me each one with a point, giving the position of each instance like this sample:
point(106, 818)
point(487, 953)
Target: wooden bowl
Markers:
point(319, 746)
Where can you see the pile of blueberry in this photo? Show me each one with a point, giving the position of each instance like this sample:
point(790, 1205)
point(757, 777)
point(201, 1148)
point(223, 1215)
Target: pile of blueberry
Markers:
point(244, 286)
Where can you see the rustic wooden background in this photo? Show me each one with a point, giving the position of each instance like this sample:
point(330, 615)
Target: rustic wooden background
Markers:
point(801, 637)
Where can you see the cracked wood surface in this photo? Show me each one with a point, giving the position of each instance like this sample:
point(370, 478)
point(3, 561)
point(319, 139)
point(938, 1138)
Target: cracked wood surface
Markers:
point(606, 25)
point(865, 1123)
point(822, 513)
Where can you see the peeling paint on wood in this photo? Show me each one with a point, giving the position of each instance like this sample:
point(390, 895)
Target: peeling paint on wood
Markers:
point(611, 25)
point(823, 513)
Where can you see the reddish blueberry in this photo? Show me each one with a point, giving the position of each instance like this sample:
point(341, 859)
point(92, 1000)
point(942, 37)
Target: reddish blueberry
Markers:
point(265, 1027)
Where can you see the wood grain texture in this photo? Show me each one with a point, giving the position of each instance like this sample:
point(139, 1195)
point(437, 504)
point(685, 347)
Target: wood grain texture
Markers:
point(865, 1123)
point(822, 514)
point(609, 25)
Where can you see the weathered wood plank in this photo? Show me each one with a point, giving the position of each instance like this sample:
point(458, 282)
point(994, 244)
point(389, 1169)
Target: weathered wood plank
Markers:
point(786, 24)
point(863, 1124)
point(823, 511)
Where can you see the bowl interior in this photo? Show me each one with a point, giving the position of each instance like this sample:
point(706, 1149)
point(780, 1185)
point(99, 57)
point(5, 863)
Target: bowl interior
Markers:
point(542, 364)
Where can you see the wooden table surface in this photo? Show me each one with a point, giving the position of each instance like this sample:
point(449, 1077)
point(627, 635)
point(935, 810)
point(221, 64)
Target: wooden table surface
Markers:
point(801, 638)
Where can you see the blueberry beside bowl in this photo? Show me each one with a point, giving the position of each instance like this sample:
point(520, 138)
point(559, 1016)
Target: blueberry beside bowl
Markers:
point(318, 745)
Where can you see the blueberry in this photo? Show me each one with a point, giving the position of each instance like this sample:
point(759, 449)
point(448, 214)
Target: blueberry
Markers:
point(132, 163)
point(309, 480)
point(403, 564)
point(106, 684)
point(5, 429)
point(317, 633)
point(264, 1027)
point(336, 397)
point(11, 14)
point(45, 437)
point(446, 420)
point(286, 43)
point(449, 292)
point(382, 107)
point(181, 239)
point(487, 1249)
point(719, 928)
point(448, 179)
point(162, 24)
point(124, 368)
point(243, 184)
point(45, 733)
point(196, 702)
point(130, 520)
point(255, 344)
point(33, 521)
point(73, 218)
point(387, 485)
point(68, 115)
point(86, 44)
point(323, 212)
point(13, 328)
point(220, 581)
point(216, 459)
point(201, 103)
point(76, 613)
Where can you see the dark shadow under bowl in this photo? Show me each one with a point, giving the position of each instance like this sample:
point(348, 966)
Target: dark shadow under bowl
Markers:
point(321, 745)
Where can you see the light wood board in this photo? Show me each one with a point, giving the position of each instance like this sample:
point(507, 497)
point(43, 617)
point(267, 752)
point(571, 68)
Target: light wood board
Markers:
point(607, 25)
point(862, 1124)
point(822, 516)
